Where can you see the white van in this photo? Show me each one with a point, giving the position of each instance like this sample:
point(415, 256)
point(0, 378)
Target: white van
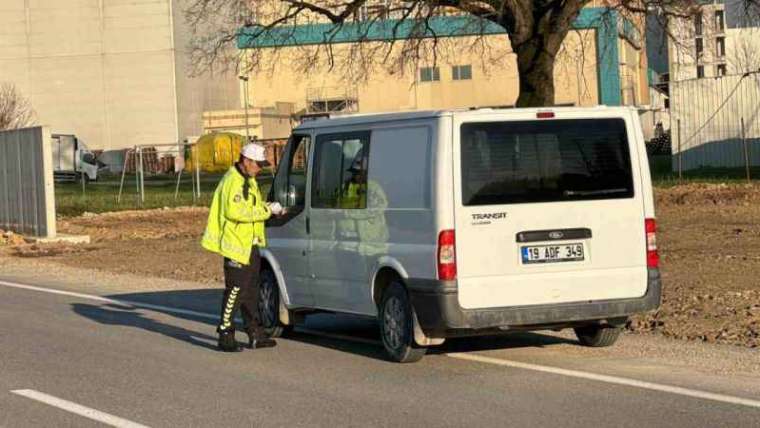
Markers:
point(465, 222)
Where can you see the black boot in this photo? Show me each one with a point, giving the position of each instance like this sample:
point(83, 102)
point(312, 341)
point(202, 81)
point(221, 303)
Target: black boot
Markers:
point(260, 340)
point(227, 342)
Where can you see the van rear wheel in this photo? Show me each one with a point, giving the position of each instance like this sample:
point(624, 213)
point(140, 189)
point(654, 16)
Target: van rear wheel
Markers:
point(396, 326)
point(269, 305)
point(596, 336)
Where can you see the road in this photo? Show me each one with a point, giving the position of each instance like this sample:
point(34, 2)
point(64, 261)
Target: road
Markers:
point(78, 358)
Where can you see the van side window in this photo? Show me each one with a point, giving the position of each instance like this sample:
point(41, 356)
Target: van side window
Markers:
point(339, 178)
point(289, 187)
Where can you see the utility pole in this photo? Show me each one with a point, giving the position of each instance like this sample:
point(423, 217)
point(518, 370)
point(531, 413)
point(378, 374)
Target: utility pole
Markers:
point(245, 106)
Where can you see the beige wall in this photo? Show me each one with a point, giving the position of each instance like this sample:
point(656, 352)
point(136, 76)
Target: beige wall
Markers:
point(263, 123)
point(494, 78)
point(113, 72)
point(196, 94)
point(98, 69)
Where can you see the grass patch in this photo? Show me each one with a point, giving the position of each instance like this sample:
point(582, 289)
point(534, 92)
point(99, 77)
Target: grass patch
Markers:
point(101, 196)
point(664, 176)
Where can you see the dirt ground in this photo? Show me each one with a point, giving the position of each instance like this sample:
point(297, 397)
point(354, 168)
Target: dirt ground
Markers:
point(709, 239)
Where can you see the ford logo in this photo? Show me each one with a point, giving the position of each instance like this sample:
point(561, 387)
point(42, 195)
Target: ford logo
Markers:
point(556, 235)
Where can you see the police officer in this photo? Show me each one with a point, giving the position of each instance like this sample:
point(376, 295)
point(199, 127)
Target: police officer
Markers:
point(235, 230)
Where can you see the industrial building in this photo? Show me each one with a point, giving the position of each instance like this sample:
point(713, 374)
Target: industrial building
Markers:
point(112, 72)
point(603, 61)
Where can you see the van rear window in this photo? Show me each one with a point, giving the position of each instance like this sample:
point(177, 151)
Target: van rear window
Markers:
point(545, 161)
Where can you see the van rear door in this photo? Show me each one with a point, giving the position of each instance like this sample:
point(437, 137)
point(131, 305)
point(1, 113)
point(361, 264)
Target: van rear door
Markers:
point(547, 209)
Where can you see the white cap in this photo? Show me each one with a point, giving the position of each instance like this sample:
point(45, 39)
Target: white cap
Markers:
point(254, 152)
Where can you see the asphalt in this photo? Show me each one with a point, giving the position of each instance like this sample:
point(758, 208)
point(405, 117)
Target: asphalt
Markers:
point(157, 368)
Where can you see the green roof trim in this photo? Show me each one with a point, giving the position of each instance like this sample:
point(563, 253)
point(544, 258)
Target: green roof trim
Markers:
point(367, 31)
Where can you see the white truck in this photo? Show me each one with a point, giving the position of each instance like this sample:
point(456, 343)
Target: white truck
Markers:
point(71, 159)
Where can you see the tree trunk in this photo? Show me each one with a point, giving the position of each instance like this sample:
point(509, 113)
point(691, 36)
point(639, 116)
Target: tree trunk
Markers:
point(535, 65)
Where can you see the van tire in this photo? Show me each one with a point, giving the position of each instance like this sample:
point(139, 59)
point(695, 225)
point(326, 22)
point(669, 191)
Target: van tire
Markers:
point(396, 325)
point(269, 305)
point(596, 336)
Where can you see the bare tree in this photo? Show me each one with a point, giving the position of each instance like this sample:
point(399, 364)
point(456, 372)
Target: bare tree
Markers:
point(15, 110)
point(744, 54)
point(536, 30)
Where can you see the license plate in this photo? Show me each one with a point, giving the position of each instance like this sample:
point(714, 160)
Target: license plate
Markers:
point(553, 253)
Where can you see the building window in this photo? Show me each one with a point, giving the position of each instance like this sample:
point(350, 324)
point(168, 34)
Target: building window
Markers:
point(700, 48)
point(720, 47)
point(700, 71)
point(461, 72)
point(430, 74)
point(720, 23)
point(698, 24)
point(720, 70)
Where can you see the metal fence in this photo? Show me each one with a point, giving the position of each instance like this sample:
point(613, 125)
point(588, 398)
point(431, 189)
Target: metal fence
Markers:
point(715, 122)
point(183, 163)
point(27, 200)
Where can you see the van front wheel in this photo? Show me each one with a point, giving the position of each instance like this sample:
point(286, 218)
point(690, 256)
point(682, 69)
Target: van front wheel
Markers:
point(396, 326)
point(596, 336)
point(269, 305)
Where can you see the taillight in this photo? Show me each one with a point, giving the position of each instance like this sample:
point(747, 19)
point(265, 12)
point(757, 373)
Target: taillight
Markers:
point(545, 115)
point(653, 257)
point(447, 259)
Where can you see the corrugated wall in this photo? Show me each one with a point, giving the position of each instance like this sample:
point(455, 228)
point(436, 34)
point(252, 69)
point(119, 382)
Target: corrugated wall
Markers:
point(27, 202)
point(706, 121)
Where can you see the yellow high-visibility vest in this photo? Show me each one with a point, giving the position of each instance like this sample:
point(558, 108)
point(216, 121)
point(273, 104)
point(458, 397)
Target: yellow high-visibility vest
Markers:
point(236, 224)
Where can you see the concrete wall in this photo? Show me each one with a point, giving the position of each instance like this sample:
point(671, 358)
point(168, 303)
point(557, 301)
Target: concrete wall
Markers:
point(98, 69)
point(208, 91)
point(27, 202)
point(113, 72)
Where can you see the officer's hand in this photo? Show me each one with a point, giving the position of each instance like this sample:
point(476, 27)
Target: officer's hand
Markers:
point(276, 208)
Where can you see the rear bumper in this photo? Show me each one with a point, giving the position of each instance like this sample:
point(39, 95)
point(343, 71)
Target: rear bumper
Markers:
point(436, 304)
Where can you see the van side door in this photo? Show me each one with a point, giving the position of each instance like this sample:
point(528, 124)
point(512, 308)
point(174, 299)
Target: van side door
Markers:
point(338, 192)
point(288, 235)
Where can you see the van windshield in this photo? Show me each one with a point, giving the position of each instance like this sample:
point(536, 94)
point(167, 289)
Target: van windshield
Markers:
point(545, 161)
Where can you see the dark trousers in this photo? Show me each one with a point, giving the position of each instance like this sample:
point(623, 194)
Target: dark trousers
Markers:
point(241, 291)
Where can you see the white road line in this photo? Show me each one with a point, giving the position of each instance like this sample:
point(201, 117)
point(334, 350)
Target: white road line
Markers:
point(78, 409)
point(610, 379)
point(469, 357)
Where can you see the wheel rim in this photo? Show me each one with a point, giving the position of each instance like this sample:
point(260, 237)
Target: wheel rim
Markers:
point(394, 320)
point(267, 302)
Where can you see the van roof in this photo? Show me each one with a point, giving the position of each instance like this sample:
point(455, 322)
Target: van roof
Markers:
point(364, 118)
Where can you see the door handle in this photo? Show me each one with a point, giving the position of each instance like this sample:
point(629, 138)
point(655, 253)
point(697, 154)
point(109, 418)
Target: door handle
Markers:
point(308, 226)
